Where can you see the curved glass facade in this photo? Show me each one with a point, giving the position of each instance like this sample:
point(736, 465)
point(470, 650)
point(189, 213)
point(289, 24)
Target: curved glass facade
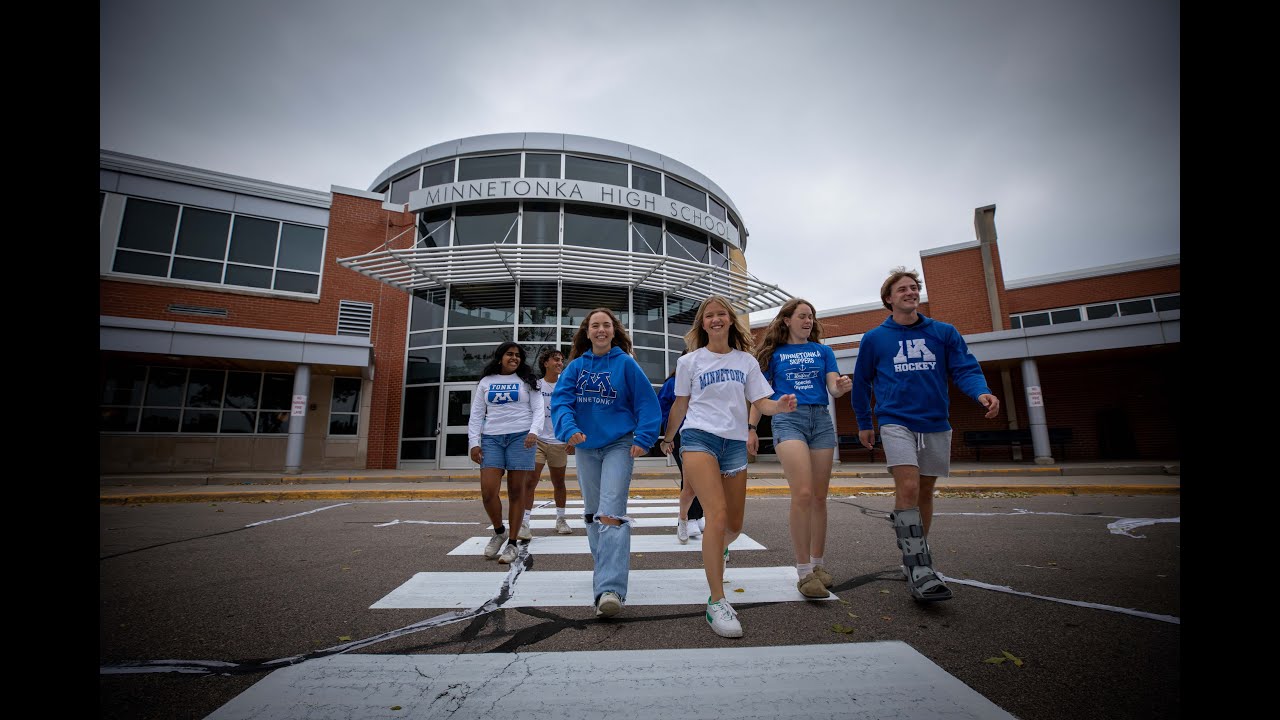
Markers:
point(455, 327)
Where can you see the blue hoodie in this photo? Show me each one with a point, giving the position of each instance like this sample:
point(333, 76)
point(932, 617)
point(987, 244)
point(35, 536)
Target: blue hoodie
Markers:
point(606, 397)
point(908, 366)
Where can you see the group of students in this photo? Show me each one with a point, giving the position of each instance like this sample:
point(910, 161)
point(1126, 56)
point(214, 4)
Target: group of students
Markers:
point(603, 409)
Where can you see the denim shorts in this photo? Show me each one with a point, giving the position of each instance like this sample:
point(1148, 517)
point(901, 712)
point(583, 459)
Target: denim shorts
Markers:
point(732, 454)
point(507, 451)
point(810, 423)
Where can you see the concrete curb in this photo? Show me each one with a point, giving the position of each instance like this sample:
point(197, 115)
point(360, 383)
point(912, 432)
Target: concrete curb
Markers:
point(258, 496)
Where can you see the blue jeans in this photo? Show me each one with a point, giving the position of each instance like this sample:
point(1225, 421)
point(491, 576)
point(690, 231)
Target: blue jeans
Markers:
point(604, 476)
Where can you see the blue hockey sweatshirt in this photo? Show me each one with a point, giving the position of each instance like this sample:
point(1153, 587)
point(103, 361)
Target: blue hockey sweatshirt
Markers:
point(605, 397)
point(908, 367)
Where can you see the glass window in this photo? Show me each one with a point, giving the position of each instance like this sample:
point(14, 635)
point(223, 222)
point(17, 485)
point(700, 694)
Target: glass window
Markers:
point(1035, 320)
point(276, 422)
point(1135, 307)
point(545, 334)
point(164, 387)
point(717, 254)
point(141, 264)
point(648, 311)
point(433, 227)
point(297, 282)
point(649, 339)
point(344, 410)
point(198, 270)
point(204, 389)
point(160, 420)
point(490, 223)
point(203, 234)
point(1097, 312)
point(686, 194)
point(493, 166)
point(482, 305)
point(680, 312)
point(653, 362)
point(440, 173)
point(239, 421)
point(242, 390)
point(277, 391)
point(420, 450)
point(646, 180)
point(1168, 302)
point(421, 411)
point(465, 362)
point(253, 241)
point(717, 209)
point(601, 171)
point(480, 335)
point(119, 419)
point(646, 234)
point(537, 303)
point(540, 165)
point(301, 247)
point(1065, 316)
point(248, 276)
point(401, 188)
point(579, 300)
point(123, 385)
point(1015, 322)
point(541, 224)
point(200, 421)
point(595, 227)
point(426, 309)
point(687, 244)
point(148, 226)
point(423, 339)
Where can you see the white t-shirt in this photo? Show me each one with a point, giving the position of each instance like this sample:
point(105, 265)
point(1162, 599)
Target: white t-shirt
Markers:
point(546, 389)
point(503, 404)
point(718, 388)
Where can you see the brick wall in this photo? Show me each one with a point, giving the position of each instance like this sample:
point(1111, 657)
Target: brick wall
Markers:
point(1139, 283)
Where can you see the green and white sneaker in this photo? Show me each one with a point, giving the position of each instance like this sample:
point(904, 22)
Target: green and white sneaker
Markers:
point(722, 618)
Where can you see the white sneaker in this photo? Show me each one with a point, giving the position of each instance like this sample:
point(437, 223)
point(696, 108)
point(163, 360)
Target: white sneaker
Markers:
point(495, 544)
point(525, 533)
point(694, 529)
point(702, 524)
point(509, 553)
point(722, 618)
point(610, 604)
point(682, 531)
point(562, 526)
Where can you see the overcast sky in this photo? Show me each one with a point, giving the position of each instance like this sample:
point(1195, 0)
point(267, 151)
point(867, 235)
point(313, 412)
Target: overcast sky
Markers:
point(851, 135)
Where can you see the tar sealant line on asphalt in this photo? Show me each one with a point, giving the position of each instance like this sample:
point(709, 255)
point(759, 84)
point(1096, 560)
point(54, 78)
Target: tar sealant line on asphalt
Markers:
point(1122, 527)
point(290, 517)
point(426, 522)
point(1078, 603)
point(221, 667)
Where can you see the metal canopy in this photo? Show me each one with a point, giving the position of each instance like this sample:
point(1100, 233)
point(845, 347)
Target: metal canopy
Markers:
point(438, 267)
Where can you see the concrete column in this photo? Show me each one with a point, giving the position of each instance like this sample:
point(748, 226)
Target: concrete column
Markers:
point(1035, 412)
point(298, 418)
point(1010, 409)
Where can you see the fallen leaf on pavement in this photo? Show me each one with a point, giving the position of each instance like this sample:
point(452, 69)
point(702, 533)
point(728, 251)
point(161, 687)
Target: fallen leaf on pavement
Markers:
point(344, 638)
point(994, 660)
point(841, 628)
point(739, 589)
point(1016, 661)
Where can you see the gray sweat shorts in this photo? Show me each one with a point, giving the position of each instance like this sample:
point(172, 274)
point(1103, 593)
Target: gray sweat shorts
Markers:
point(931, 452)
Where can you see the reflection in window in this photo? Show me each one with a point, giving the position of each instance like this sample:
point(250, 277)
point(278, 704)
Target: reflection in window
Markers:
point(423, 366)
point(680, 312)
point(301, 248)
point(464, 363)
point(1098, 312)
point(491, 223)
point(438, 174)
point(653, 362)
point(421, 411)
point(601, 171)
point(648, 311)
point(537, 303)
point(687, 244)
point(344, 410)
point(482, 305)
point(426, 310)
point(401, 188)
point(646, 234)
point(433, 228)
point(646, 180)
point(193, 401)
point(541, 224)
point(717, 210)
point(579, 300)
point(595, 227)
point(541, 165)
point(1135, 307)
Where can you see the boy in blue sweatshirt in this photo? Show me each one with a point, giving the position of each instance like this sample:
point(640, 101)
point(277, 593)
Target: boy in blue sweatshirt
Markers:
point(907, 362)
point(605, 407)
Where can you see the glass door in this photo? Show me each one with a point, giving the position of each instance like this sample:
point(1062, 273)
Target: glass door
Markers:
point(457, 411)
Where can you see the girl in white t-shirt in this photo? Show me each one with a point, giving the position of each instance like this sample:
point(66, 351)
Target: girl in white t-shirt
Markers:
point(714, 383)
point(506, 416)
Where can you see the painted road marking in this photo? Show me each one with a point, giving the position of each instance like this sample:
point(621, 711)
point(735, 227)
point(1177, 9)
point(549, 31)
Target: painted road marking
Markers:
point(569, 588)
point(846, 680)
point(579, 545)
point(580, 524)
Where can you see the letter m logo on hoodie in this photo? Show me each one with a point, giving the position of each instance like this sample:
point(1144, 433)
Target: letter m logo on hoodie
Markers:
point(915, 349)
point(596, 383)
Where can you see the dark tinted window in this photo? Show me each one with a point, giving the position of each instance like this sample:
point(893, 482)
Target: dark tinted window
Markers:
point(648, 311)
point(301, 247)
point(464, 363)
point(433, 228)
point(541, 223)
point(1171, 302)
point(578, 300)
point(438, 174)
point(646, 180)
point(494, 166)
point(297, 282)
point(686, 194)
point(401, 188)
point(491, 223)
point(148, 225)
point(1065, 316)
point(595, 227)
point(1097, 312)
point(482, 305)
point(253, 241)
point(1135, 307)
point(424, 366)
point(204, 388)
point(248, 276)
point(203, 234)
point(141, 263)
point(601, 171)
point(164, 387)
point(538, 303)
point(1035, 320)
point(646, 234)
point(687, 244)
point(716, 208)
point(421, 411)
point(427, 310)
point(539, 165)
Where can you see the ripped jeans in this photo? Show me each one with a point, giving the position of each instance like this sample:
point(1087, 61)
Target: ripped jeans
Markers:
point(604, 477)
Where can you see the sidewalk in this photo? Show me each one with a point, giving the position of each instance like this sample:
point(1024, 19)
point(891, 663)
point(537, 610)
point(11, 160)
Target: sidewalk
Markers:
point(763, 478)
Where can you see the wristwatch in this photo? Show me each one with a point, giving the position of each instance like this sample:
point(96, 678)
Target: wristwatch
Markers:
point(750, 426)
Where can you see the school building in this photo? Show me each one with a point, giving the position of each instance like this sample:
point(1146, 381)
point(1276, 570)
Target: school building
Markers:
point(249, 325)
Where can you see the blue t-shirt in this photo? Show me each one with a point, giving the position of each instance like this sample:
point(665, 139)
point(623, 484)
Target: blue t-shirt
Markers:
point(802, 370)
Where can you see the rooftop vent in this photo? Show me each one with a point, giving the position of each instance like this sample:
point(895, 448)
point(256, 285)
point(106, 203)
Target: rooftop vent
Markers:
point(197, 310)
point(355, 318)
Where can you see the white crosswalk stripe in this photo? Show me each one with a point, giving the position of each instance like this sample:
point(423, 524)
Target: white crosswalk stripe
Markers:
point(579, 545)
point(573, 588)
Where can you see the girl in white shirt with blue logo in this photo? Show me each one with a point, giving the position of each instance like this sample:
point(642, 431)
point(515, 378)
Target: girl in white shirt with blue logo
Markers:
point(506, 415)
point(714, 383)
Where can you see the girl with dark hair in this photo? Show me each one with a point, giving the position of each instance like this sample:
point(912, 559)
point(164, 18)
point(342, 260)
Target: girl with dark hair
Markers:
point(794, 360)
point(506, 415)
point(605, 407)
point(551, 452)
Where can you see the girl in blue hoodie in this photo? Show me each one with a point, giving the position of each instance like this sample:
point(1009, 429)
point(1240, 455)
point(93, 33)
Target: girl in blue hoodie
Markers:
point(605, 407)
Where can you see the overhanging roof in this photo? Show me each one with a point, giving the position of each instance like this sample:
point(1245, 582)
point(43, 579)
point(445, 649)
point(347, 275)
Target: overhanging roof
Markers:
point(437, 267)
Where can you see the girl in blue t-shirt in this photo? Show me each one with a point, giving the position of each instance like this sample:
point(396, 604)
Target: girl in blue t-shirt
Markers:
point(794, 360)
